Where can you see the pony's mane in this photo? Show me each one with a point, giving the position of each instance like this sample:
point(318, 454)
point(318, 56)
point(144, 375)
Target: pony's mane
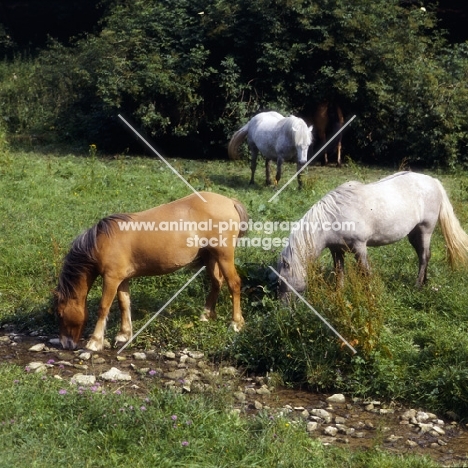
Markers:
point(326, 209)
point(81, 259)
point(301, 133)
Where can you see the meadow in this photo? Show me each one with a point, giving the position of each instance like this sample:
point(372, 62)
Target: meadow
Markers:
point(412, 343)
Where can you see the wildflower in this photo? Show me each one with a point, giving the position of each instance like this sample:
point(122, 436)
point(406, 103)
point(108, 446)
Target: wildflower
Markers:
point(184, 443)
point(143, 408)
point(50, 361)
point(118, 392)
point(174, 417)
point(27, 369)
point(152, 372)
point(16, 381)
point(62, 391)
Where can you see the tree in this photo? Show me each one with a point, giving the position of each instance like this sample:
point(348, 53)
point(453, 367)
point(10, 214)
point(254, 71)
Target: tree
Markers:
point(198, 69)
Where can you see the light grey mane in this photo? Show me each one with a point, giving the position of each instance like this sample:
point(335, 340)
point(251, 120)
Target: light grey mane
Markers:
point(300, 132)
point(327, 209)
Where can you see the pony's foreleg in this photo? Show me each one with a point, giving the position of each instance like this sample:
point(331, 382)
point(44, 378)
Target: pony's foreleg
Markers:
point(338, 154)
point(123, 296)
point(299, 166)
point(338, 261)
point(279, 164)
point(226, 264)
point(209, 311)
point(109, 289)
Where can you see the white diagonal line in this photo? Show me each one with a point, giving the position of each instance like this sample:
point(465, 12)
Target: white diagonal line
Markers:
point(161, 309)
point(162, 159)
point(312, 158)
point(314, 311)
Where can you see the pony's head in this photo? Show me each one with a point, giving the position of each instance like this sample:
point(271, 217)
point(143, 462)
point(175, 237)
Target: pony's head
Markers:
point(289, 277)
point(72, 317)
point(302, 138)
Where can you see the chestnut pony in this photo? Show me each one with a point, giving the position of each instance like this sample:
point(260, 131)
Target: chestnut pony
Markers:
point(326, 120)
point(153, 242)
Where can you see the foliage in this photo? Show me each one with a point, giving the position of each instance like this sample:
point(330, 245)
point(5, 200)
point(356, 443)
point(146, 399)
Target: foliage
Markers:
point(196, 70)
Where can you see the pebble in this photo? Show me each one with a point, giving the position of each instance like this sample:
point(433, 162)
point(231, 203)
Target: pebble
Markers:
point(139, 356)
point(312, 426)
point(330, 431)
point(336, 398)
point(37, 348)
point(83, 379)
point(115, 374)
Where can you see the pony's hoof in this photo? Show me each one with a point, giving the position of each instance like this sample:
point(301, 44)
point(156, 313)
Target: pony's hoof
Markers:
point(121, 338)
point(207, 316)
point(237, 327)
point(95, 345)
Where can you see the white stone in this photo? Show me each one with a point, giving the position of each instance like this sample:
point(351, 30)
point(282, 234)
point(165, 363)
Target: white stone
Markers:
point(115, 374)
point(330, 431)
point(85, 356)
point(83, 379)
point(426, 427)
point(312, 426)
point(422, 417)
point(37, 347)
point(323, 414)
point(139, 356)
point(336, 398)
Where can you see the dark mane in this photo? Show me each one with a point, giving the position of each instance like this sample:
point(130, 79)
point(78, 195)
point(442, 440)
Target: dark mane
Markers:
point(81, 259)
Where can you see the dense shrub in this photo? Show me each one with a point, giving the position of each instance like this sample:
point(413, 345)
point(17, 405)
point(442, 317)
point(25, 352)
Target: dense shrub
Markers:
point(198, 69)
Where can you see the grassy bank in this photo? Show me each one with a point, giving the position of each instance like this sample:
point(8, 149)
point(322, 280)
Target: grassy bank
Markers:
point(413, 344)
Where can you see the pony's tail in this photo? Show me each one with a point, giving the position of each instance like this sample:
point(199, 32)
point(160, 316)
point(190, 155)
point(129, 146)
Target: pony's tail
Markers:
point(454, 235)
point(236, 141)
point(243, 215)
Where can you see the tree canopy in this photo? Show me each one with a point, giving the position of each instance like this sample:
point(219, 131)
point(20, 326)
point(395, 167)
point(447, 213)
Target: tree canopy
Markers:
point(196, 70)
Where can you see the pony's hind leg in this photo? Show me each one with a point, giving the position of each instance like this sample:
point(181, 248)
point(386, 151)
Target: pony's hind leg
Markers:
point(253, 162)
point(421, 241)
point(216, 277)
point(226, 264)
point(109, 289)
point(123, 296)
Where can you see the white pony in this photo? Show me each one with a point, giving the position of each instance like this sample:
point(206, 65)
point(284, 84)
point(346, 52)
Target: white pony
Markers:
point(278, 138)
point(355, 216)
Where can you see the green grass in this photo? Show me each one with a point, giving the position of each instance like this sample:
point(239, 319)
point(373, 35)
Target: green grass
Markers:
point(45, 422)
point(413, 344)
